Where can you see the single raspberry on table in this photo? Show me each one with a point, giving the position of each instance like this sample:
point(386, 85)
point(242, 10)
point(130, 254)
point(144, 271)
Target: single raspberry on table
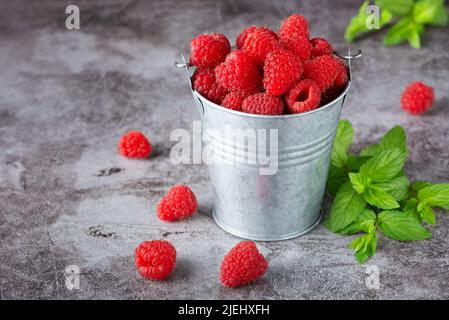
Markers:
point(242, 265)
point(320, 47)
point(294, 25)
point(322, 70)
point(262, 103)
point(259, 43)
point(205, 83)
point(239, 73)
point(282, 69)
point(134, 144)
point(234, 101)
point(179, 203)
point(417, 98)
point(303, 96)
point(209, 50)
point(243, 35)
point(299, 45)
point(155, 259)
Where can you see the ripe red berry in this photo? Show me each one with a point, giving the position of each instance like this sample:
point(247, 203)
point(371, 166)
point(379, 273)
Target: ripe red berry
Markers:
point(299, 45)
point(294, 25)
point(243, 35)
point(322, 70)
point(155, 259)
point(262, 103)
point(179, 203)
point(342, 75)
point(303, 96)
point(209, 50)
point(417, 98)
point(205, 83)
point(242, 265)
point(282, 69)
point(320, 47)
point(239, 73)
point(233, 101)
point(134, 144)
point(259, 43)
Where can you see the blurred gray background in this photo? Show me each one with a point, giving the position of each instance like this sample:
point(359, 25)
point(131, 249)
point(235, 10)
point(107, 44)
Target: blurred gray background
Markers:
point(68, 198)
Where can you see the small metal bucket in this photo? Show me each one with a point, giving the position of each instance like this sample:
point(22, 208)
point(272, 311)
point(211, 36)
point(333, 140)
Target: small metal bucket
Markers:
point(276, 206)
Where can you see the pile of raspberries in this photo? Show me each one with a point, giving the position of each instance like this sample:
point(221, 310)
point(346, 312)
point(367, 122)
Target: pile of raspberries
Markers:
point(268, 73)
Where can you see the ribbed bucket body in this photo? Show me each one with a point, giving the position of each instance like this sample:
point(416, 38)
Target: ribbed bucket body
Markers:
point(260, 205)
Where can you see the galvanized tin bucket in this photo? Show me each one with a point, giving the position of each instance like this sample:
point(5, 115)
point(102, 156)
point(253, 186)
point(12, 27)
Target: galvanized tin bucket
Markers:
point(269, 207)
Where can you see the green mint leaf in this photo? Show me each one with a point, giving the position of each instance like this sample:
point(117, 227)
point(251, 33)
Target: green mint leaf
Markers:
point(354, 162)
point(359, 182)
point(347, 205)
point(411, 210)
point(385, 165)
point(379, 198)
point(364, 246)
point(357, 25)
point(396, 7)
point(436, 195)
point(345, 134)
point(414, 38)
point(399, 226)
point(364, 222)
point(339, 156)
point(399, 32)
point(426, 213)
point(397, 187)
point(336, 178)
point(393, 138)
point(430, 11)
point(441, 18)
point(343, 139)
point(418, 185)
point(370, 150)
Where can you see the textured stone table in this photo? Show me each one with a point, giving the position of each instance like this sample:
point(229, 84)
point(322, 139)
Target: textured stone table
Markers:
point(67, 96)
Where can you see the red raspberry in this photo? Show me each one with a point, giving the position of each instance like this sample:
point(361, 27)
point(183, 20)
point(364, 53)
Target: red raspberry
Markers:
point(320, 47)
point(134, 145)
point(322, 70)
point(243, 35)
point(417, 98)
point(293, 25)
point(329, 95)
point(234, 101)
point(282, 69)
point(299, 45)
point(204, 82)
point(342, 75)
point(155, 259)
point(242, 265)
point(303, 97)
point(262, 103)
point(209, 50)
point(239, 73)
point(259, 43)
point(179, 203)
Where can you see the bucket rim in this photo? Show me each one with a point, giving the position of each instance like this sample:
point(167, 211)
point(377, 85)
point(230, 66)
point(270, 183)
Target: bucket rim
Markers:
point(267, 117)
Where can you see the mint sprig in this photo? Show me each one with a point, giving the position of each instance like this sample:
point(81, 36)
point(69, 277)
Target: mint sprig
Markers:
point(373, 196)
point(409, 18)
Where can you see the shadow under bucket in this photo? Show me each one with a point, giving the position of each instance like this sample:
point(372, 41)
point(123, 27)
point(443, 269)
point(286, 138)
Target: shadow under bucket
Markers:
point(252, 200)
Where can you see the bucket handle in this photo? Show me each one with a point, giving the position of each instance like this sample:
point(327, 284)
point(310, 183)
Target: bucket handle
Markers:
point(186, 65)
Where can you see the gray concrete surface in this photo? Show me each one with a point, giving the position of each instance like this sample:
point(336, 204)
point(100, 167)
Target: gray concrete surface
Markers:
point(67, 96)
